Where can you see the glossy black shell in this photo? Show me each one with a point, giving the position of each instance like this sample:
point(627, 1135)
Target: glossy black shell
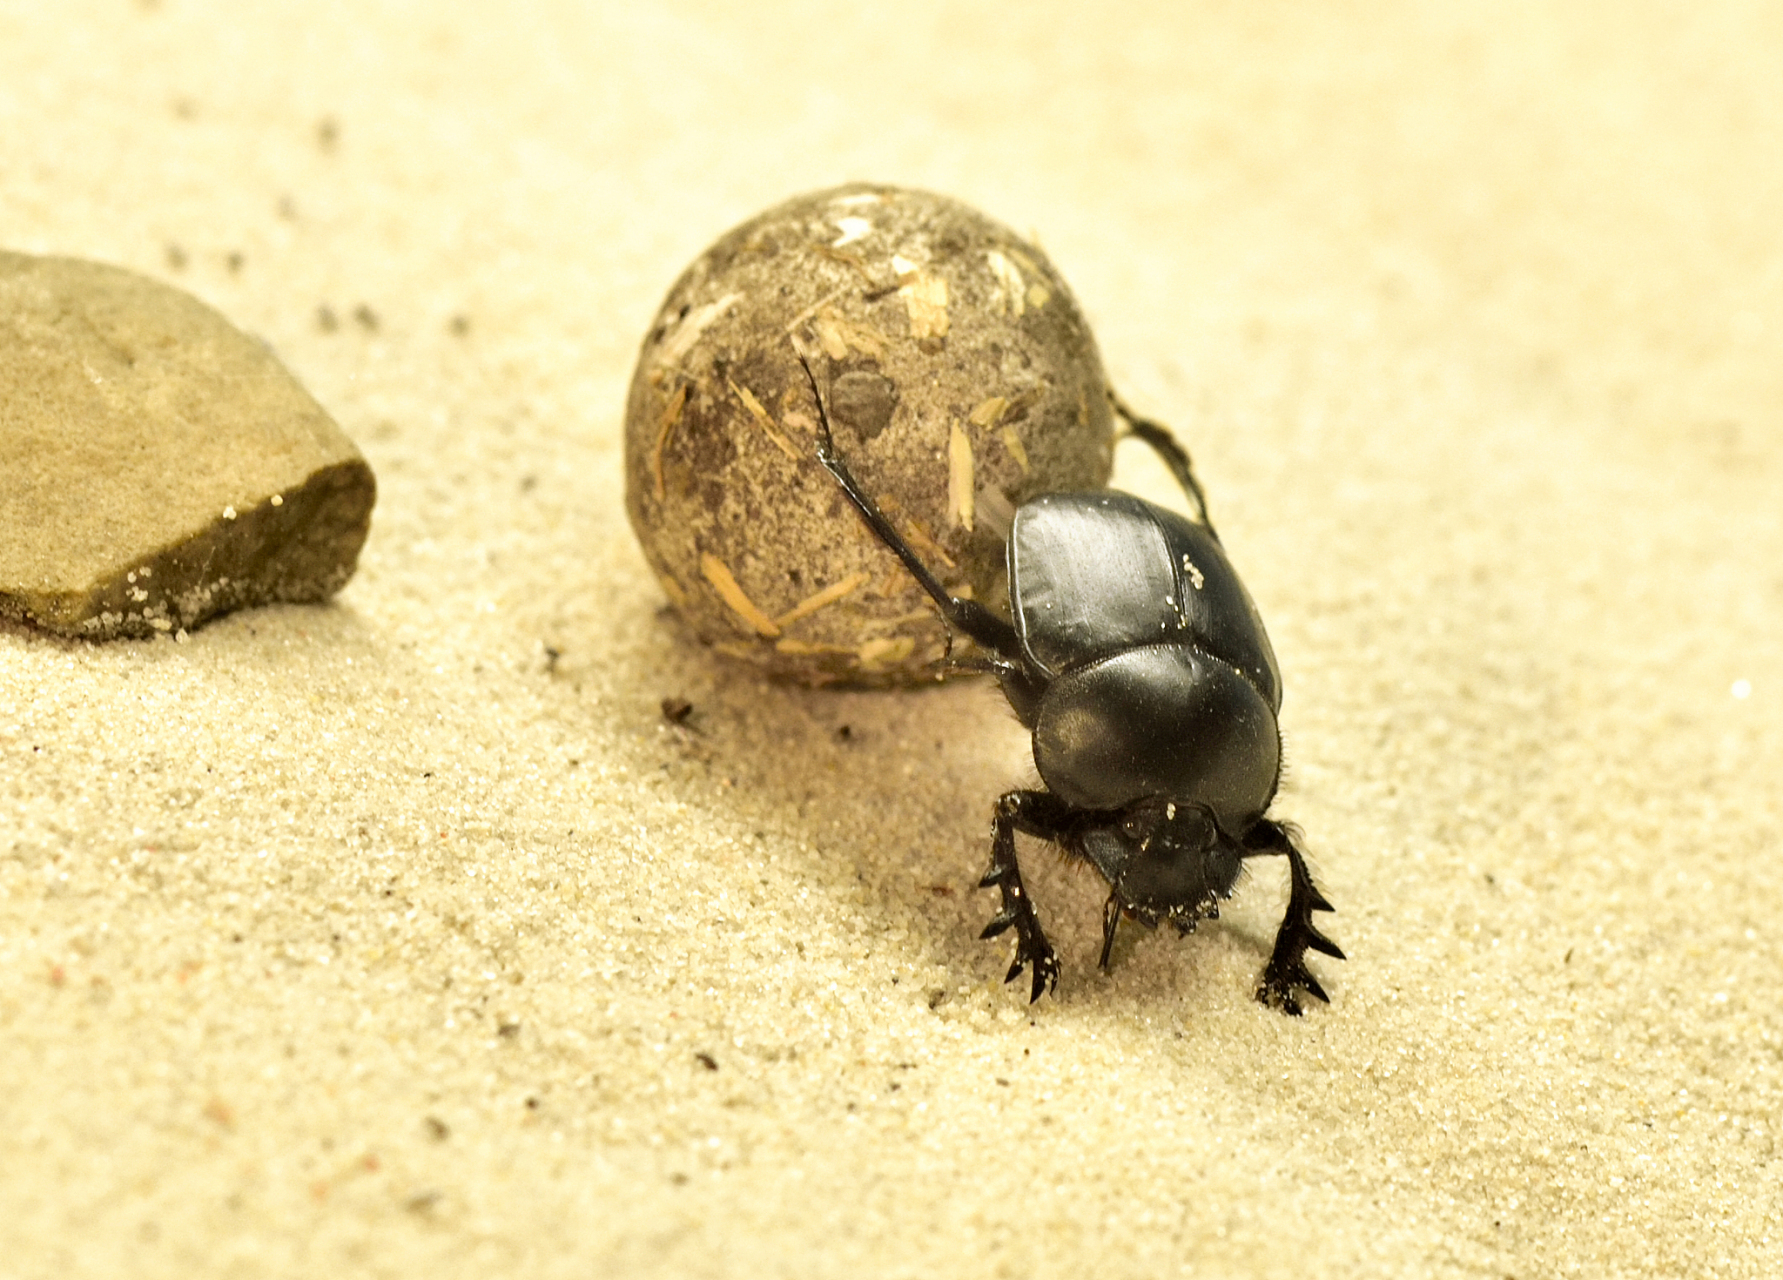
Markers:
point(1159, 679)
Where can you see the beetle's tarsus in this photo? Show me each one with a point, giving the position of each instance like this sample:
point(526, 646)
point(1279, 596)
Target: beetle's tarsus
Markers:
point(1045, 971)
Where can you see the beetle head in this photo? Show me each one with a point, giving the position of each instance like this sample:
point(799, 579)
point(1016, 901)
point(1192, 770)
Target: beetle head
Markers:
point(1165, 860)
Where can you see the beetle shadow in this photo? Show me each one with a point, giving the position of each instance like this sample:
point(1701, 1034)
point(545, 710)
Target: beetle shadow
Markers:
point(883, 796)
point(888, 793)
point(880, 794)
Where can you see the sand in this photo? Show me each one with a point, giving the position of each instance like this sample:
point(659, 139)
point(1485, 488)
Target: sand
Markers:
point(404, 936)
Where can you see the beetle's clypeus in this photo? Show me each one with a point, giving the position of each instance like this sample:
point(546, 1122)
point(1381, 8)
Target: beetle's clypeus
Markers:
point(1137, 659)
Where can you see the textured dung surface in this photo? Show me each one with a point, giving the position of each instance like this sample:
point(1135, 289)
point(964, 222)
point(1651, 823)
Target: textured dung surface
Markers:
point(161, 466)
point(961, 377)
point(405, 936)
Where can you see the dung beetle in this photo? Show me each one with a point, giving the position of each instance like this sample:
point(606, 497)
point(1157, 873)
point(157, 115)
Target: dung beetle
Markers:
point(1135, 656)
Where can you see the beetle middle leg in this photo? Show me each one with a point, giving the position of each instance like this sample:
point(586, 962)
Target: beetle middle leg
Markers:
point(1034, 813)
point(1286, 971)
point(1170, 450)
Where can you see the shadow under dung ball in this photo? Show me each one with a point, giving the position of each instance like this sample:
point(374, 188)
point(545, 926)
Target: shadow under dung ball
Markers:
point(962, 380)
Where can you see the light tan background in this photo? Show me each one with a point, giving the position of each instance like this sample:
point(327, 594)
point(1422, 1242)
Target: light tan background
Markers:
point(371, 939)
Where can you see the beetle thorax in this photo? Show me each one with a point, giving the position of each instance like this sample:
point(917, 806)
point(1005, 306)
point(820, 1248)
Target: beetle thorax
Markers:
point(1165, 721)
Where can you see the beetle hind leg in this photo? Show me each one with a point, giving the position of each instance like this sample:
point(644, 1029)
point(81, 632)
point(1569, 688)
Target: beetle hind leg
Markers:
point(1286, 974)
point(965, 616)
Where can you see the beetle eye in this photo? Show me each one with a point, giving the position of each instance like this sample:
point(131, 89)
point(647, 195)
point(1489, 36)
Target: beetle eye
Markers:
point(1132, 827)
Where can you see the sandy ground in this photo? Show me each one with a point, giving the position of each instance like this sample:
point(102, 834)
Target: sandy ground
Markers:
point(374, 939)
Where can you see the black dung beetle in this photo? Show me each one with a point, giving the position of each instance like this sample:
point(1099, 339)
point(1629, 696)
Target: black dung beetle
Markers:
point(1137, 659)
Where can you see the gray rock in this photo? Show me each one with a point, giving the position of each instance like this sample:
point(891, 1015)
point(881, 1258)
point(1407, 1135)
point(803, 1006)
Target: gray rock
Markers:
point(157, 465)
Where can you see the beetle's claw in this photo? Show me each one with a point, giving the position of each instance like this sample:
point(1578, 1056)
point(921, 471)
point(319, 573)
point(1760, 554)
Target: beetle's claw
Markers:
point(1032, 951)
point(1277, 998)
point(1045, 965)
point(1286, 972)
point(1279, 986)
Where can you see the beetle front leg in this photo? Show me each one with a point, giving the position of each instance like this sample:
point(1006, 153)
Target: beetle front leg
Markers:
point(1286, 973)
point(1038, 813)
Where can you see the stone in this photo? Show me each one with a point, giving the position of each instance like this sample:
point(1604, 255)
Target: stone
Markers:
point(962, 380)
point(158, 466)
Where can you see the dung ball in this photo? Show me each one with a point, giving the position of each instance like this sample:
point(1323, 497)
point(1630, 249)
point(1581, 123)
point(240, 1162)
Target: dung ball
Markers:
point(961, 380)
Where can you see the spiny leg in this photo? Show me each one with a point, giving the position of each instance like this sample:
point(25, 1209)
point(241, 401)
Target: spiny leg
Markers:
point(1286, 972)
point(967, 616)
point(1036, 813)
point(1166, 446)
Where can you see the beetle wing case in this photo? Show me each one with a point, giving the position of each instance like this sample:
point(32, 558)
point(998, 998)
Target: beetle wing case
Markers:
point(1159, 721)
point(1092, 574)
